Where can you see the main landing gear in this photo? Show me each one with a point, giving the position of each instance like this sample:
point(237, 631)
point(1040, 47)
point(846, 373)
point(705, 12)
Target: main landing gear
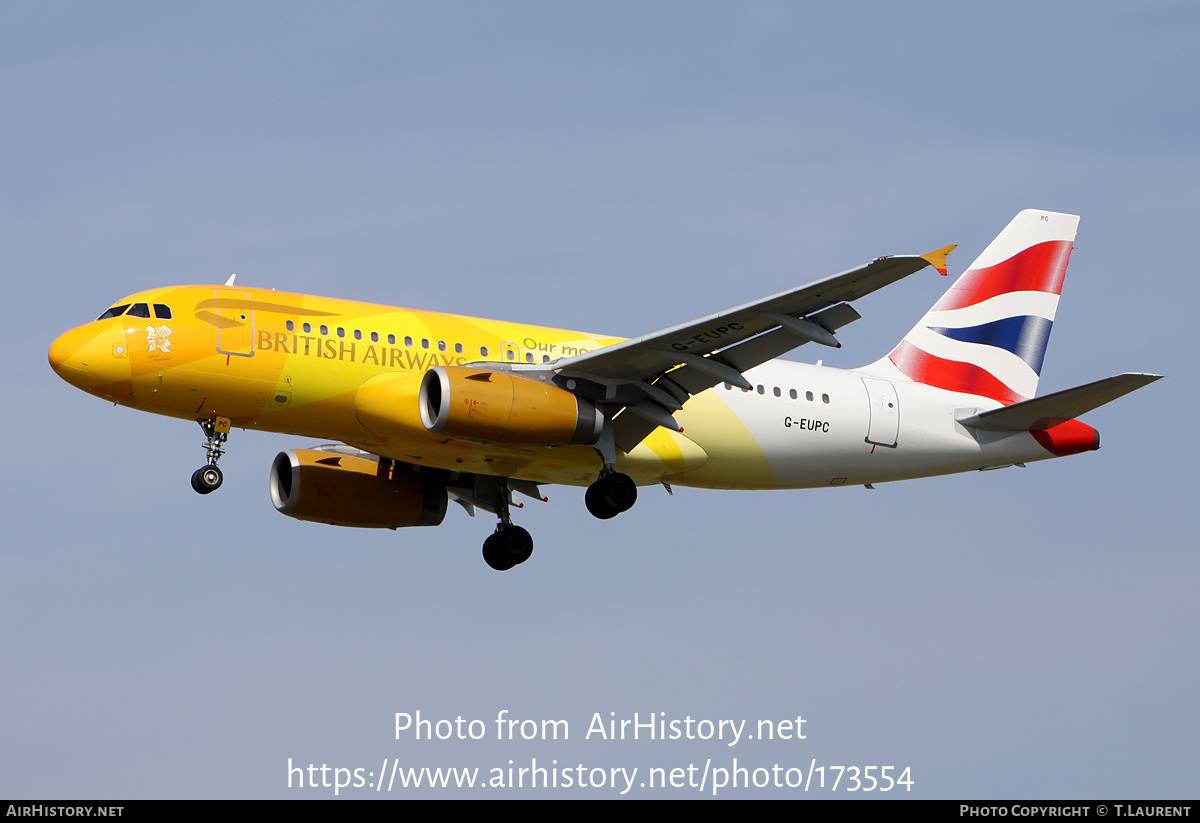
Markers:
point(509, 545)
point(611, 494)
point(208, 478)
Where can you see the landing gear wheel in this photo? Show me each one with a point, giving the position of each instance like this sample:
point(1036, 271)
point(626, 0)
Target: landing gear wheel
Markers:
point(597, 503)
point(507, 547)
point(610, 495)
point(207, 479)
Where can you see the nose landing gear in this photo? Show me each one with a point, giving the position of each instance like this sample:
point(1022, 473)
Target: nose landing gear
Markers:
point(208, 478)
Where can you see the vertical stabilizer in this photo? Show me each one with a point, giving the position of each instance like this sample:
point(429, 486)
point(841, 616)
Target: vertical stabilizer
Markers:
point(987, 335)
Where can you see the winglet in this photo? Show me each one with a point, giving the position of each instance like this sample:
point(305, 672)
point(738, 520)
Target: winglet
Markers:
point(233, 277)
point(937, 257)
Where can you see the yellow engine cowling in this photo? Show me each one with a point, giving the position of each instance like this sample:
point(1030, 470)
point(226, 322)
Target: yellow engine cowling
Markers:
point(354, 490)
point(484, 406)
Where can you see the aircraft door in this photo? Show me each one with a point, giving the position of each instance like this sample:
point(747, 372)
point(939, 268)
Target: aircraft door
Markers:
point(884, 426)
point(235, 334)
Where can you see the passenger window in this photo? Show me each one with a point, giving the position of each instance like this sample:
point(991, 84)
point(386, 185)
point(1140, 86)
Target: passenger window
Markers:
point(545, 358)
point(140, 310)
point(458, 348)
point(512, 355)
point(824, 398)
point(391, 339)
point(408, 342)
point(341, 332)
point(162, 312)
point(324, 330)
point(808, 396)
point(483, 351)
point(115, 311)
point(290, 326)
point(357, 334)
point(441, 345)
point(308, 328)
point(777, 392)
point(424, 342)
point(528, 357)
point(792, 394)
point(761, 390)
point(374, 337)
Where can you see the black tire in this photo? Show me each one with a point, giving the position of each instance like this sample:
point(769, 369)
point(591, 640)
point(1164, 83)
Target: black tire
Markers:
point(493, 554)
point(207, 479)
point(622, 492)
point(507, 547)
point(610, 495)
point(597, 503)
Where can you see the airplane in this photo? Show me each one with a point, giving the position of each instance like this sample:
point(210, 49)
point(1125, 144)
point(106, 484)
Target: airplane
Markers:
point(429, 407)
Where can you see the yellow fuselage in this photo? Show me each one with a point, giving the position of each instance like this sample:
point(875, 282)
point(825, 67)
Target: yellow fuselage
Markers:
point(295, 363)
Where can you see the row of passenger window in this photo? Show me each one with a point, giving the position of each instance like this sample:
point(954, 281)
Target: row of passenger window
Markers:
point(374, 337)
point(792, 393)
point(161, 311)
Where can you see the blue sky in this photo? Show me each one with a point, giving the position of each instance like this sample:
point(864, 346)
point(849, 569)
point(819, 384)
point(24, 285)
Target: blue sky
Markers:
point(617, 168)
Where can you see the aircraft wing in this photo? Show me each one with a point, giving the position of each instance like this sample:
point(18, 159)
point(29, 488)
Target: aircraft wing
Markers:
point(653, 375)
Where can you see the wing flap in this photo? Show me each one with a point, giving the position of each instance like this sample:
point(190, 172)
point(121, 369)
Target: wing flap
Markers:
point(631, 429)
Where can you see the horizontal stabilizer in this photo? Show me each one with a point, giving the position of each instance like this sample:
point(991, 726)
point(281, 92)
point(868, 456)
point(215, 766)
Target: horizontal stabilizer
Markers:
point(1044, 412)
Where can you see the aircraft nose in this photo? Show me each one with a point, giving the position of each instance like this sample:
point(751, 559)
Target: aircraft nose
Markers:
point(89, 357)
point(65, 355)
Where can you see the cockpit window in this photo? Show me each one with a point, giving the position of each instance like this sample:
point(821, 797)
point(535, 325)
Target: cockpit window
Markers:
point(115, 311)
point(139, 310)
point(162, 312)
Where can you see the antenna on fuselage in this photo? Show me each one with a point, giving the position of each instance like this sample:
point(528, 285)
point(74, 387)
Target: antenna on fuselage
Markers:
point(229, 282)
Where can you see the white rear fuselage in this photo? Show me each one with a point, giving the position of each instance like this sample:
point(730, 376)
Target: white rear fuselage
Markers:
point(840, 428)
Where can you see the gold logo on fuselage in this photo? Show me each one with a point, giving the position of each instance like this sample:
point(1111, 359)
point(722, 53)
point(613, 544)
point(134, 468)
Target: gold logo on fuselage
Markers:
point(159, 339)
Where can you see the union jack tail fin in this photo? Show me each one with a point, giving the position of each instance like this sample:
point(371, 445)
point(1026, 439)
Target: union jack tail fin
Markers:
point(987, 335)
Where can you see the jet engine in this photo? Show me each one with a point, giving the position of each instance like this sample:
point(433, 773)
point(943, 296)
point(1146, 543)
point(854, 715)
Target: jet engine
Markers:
point(484, 406)
point(346, 487)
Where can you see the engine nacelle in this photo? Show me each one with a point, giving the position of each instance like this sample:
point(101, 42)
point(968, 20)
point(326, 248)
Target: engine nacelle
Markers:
point(354, 490)
point(484, 406)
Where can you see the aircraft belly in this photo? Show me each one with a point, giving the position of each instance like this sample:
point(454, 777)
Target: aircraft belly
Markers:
point(560, 465)
point(182, 392)
point(736, 459)
point(663, 457)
